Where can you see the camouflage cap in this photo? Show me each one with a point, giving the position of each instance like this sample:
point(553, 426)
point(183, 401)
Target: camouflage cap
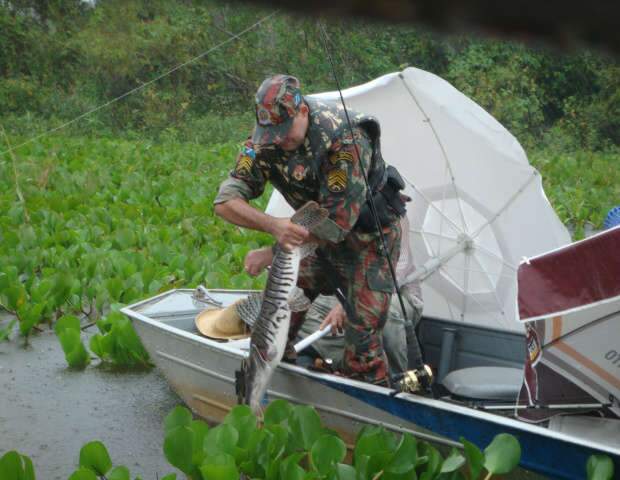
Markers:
point(277, 102)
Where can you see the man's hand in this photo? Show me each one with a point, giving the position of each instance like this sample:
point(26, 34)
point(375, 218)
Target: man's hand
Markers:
point(257, 260)
point(288, 234)
point(335, 318)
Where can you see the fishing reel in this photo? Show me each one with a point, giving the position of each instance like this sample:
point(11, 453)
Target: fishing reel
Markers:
point(413, 381)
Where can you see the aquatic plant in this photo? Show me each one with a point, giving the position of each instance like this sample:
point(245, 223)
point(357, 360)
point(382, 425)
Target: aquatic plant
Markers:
point(290, 443)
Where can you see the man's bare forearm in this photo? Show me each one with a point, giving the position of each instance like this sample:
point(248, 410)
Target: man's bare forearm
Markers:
point(241, 213)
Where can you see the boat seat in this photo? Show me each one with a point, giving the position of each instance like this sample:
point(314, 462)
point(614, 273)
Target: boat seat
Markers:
point(485, 383)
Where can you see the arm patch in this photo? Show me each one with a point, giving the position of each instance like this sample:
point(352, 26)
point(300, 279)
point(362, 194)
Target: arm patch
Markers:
point(335, 157)
point(337, 180)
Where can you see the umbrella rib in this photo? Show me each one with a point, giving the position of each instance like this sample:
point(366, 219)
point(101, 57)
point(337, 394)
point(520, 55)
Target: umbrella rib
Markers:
point(493, 289)
point(422, 232)
point(475, 270)
point(430, 204)
point(465, 285)
point(509, 202)
point(501, 318)
point(495, 256)
point(427, 119)
point(441, 222)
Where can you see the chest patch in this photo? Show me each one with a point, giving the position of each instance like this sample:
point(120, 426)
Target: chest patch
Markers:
point(336, 180)
point(299, 173)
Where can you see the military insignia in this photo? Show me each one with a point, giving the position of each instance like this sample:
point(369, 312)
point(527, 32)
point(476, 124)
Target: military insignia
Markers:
point(336, 180)
point(263, 116)
point(299, 173)
point(336, 157)
point(244, 165)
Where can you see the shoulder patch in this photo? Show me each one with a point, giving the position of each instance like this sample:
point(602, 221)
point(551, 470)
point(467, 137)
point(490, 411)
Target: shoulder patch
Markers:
point(336, 180)
point(244, 163)
point(336, 157)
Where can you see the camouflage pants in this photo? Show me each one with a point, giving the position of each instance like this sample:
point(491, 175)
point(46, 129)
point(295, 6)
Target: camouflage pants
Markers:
point(362, 272)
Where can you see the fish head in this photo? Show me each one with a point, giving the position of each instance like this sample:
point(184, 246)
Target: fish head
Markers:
point(257, 373)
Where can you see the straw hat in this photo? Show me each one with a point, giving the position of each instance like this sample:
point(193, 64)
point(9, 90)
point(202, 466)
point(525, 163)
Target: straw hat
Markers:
point(222, 323)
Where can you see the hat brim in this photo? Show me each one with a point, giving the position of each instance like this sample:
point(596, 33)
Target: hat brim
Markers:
point(268, 134)
point(206, 323)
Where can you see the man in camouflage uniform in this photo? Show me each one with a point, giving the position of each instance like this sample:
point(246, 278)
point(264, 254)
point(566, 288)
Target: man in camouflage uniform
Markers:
point(304, 147)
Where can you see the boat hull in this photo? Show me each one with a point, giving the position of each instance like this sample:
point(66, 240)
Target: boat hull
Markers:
point(202, 372)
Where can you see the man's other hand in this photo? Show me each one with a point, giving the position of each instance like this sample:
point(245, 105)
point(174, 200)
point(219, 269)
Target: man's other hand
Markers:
point(288, 234)
point(335, 319)
point(257, 260)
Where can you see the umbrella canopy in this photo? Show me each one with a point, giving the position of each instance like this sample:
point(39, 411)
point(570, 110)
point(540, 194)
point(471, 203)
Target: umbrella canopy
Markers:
point(478, 205)
point(570, 299)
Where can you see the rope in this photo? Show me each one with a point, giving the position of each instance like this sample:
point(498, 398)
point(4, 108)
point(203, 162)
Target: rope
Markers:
point(144, 85)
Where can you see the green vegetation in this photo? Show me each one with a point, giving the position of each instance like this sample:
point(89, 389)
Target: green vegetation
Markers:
point(62, 58)
point(291, 444)
point(89, 224)
point(104, 222)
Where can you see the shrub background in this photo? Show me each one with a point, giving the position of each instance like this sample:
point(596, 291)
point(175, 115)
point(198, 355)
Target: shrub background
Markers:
point(60, 58)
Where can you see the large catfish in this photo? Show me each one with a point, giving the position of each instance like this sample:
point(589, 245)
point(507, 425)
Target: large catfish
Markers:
point(280, 298)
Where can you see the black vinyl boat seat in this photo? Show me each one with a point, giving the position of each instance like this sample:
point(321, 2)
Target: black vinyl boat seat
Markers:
point(485, 383)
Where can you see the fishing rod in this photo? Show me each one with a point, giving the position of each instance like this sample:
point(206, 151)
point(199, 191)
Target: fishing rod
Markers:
point(421, 372)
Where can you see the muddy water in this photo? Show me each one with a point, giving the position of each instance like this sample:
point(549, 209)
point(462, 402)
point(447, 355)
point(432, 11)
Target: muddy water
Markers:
point(48, 412)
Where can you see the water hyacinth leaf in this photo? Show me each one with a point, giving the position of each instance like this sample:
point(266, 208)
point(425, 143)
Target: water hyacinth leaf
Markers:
point(378, 463)
point(290, 469)
point(178, 448)
point(67, 322)
point(600, 467)
point(95, 345)
point(326, 452)
point(42, 290)
point(14, 465)
point(243, 419)
point(475, 458)
point(373, 440)
point(305, 425)
point(62, 288)
point(119, 473)
point(83, 473)
point(28, 468)
point(221, 439)
point(29, 316)
point(115, 288)
point(75, 352)
point(277, 411)
point(220, 467)
point(15, 295)
point(280, 436)
point(345, 472)
point(503, 454)
point(6, 331)
point(79, 357)
point(405, 458)
point(433, 462)
point(95, 456)
point(454, 461)
point(200, 430)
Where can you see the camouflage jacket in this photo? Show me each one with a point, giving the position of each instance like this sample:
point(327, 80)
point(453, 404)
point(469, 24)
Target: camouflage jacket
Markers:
point(325, 168)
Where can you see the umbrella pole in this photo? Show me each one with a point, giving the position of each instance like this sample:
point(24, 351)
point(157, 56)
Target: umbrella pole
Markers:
point(464, 244)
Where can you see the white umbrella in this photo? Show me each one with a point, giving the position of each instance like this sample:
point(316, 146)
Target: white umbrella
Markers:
point(478, 205)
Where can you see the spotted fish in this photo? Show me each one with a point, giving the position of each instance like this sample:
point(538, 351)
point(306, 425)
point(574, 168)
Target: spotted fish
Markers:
point(280, 298)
